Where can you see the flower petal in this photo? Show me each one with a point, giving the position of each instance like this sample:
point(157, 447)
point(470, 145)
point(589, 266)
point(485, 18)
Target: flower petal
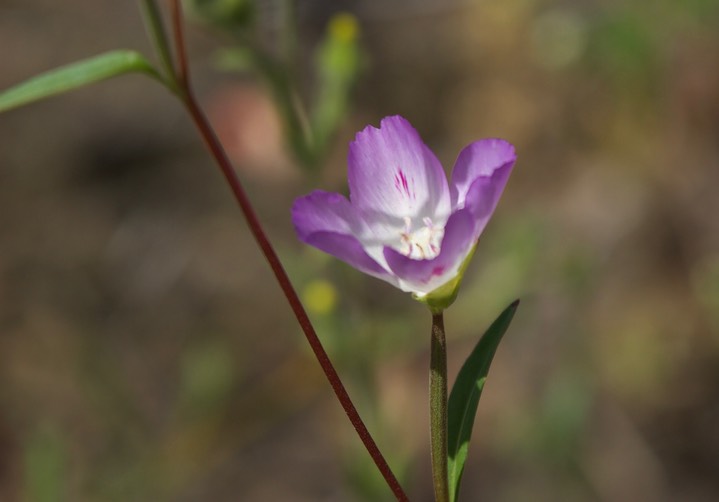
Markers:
point(322, 211)
point(424, 276)
point(328, 222)
point(491, 159)
point(392, 175)
point(348, 249)
point(484, 194)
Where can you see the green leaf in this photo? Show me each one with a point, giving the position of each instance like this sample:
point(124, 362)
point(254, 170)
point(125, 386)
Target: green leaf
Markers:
point(74, 75)
point(464, 398)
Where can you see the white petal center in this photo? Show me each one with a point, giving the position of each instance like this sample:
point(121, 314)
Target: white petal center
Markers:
point(421, 242)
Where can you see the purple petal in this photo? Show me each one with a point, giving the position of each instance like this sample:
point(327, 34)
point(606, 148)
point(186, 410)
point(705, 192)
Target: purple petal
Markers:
point(328, 222)
point(481, 159)
point(423, 276)
point(483, 195)
point(324, 212)
point(392, 173)
point(348, 249)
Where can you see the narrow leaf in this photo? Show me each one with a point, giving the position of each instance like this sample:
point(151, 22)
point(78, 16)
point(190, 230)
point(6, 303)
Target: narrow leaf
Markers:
point(74, 75)
point(464, 398)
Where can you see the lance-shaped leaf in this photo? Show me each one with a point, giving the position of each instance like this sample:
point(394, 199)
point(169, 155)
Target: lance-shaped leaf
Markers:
point(75, 75)
point(464, 398)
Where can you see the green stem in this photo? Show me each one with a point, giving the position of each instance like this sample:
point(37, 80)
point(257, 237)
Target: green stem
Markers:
point(438, 408)
point(156, 29)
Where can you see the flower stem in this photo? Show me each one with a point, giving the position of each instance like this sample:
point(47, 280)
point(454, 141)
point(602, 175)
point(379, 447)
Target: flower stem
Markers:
point(438, 408)
point(156, 30)
point(183, 71)
point(223, 162)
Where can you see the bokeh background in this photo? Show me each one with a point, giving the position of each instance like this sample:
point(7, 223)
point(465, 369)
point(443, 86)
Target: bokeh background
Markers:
point(147, 354)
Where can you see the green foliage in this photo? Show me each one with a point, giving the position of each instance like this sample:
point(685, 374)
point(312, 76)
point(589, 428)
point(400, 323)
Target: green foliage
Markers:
point(227, 14)
point(338, 61)
point(309, 130)
point(464, 398)
point(557, 433)
point(45, 476)
point(75, 75)
point(208, 373)
point(624, 48)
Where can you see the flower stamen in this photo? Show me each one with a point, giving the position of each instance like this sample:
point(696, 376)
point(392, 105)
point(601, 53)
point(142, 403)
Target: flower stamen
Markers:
point(423, 243)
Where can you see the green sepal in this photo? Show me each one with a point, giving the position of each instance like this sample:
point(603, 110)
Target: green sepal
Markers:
point(445, 295)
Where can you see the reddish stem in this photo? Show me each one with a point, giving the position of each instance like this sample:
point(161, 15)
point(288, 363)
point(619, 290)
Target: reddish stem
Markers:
point(183, 70)
point(220, 156)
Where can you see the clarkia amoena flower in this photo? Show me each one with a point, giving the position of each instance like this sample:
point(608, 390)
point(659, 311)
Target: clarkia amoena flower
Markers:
point(403, 222)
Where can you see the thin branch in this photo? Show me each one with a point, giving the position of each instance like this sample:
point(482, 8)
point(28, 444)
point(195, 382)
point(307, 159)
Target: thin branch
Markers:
point(220, 156)
point(183, 72)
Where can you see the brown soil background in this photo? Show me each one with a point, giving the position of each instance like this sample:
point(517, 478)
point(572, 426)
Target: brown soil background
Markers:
point(146, 353)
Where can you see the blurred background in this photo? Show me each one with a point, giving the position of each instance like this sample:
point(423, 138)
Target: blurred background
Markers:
point(147, 354)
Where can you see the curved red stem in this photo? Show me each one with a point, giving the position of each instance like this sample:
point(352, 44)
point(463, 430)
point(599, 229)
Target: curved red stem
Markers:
point(220, 156)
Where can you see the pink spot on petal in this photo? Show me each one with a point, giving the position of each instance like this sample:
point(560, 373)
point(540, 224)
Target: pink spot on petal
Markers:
point(401, 184)
point(438, 270)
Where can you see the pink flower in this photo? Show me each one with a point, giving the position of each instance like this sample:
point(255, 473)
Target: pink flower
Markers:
point(404, 223)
